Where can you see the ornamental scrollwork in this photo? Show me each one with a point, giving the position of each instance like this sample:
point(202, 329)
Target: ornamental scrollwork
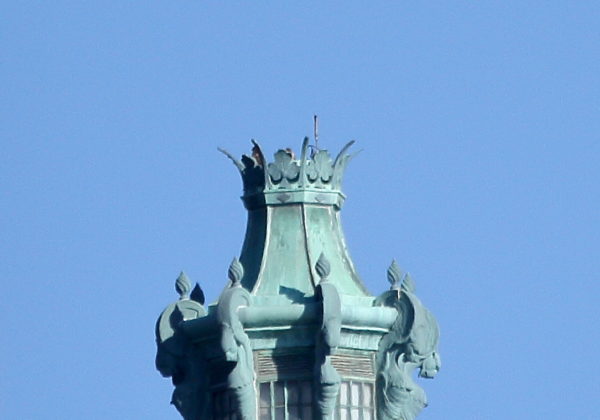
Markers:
point(411, 344)
point(235, 344)
point(176, 356)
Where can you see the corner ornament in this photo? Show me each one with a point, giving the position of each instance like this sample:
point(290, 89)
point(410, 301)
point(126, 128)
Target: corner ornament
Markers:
point(411, 344)
point(175, 357)
point(235, 344)
point(327, 379)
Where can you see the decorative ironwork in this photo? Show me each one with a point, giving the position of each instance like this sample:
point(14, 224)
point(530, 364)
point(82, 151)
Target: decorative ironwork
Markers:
point(411, 344)
point(318, 171)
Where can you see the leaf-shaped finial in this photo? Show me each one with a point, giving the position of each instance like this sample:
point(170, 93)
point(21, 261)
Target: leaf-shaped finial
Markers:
point(394, 275)
point(236, 271)
point(323, 267)
point(197, 294)
point(408, 283)
point(182, 285)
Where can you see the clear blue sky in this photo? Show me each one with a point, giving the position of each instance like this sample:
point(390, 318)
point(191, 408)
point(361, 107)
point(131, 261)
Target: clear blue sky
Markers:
point(480, 174)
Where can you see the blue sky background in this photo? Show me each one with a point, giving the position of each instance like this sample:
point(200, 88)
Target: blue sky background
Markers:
point(480, 128)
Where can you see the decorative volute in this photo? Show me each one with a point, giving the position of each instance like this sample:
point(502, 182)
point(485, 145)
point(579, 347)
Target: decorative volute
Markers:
point(293, 208)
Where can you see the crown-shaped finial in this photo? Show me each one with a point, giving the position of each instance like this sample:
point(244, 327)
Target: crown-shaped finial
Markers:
point(287, 173)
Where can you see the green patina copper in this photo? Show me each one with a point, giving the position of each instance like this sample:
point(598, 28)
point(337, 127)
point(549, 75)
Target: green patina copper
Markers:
point(293, 217)
point(295, 299)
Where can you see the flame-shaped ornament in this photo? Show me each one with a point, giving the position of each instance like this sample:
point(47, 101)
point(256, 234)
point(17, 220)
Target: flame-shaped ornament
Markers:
point(182, 285)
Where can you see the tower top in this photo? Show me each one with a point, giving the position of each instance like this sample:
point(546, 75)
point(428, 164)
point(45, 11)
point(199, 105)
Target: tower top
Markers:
point(293, 205)
point(313, 177)
point(295, 334)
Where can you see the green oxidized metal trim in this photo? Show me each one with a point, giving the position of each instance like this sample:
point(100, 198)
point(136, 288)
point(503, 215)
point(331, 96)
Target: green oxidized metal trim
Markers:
point(235, 344)
point(288, 196)
point(177, 357)
point(411, 344)
point(286, 172)
point(283, 296)
point(293, 216)
point(264, 319)
point(327, 379)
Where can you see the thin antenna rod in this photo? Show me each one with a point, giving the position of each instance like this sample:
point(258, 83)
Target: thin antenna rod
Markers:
point(316, 127)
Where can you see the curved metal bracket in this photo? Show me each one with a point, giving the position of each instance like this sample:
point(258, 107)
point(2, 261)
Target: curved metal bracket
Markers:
point(327, 379)
point(410, 344)
point(235, 344)
point(177, 358)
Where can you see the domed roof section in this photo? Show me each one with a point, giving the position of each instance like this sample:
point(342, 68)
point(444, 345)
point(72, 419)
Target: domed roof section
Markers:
point(293, 208)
